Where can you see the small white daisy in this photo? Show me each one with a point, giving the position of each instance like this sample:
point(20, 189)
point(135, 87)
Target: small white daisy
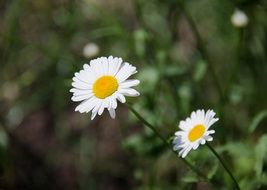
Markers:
point(194, 131)
point(239, 18)
point(101, 83)
point(90, 50)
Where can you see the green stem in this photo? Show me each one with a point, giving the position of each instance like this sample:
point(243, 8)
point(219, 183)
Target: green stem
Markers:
point(224, 165)
point(150, 126)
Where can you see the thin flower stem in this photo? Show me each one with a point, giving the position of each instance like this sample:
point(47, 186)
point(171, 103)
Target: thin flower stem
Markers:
point(150, 126)
point(224, 165)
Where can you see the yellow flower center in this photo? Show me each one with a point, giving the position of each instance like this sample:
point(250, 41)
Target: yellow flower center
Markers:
point(105, 86)
point(196, 132)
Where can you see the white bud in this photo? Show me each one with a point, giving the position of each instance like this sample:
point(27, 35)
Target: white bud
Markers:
point(90, 50)
point(239, 19)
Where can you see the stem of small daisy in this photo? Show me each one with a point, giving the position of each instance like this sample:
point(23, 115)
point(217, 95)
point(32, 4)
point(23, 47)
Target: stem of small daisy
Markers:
point(224, 165)
point(150, 126)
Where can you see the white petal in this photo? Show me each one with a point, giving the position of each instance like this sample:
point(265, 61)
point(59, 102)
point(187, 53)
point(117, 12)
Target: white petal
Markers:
point(208, 138)
point(209, 116)
point(193, 115)
point(96, 66)
point(76, 79)
point(210, 132)
point(202, 141)
point(105, 104)
point(101, 108)
point(81, 85)
point(113, 103)
point(181, 151)
point(112, 113)
point(95, 103)
point(129, 92)
point(86, 67)
point(125, 71)
point(105, 66)
point(97, 106)
point(115, 64)
point(190, 124)
point(111, 66)
point(185, 151)
point(78, 92)
point(177, 140)
point(176, 147)
point(211, 122)
point(93, 115)
point(129, 83)
point(200, 116)
point(86, 105)
point(86, 76)
point(179, 133)
point(195, 146)
point(183, 125)
point(81, 97)
point(121, 98)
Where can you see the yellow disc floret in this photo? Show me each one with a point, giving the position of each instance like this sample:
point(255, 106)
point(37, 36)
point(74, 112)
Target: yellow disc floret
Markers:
point(105, 86)
point(196, 132)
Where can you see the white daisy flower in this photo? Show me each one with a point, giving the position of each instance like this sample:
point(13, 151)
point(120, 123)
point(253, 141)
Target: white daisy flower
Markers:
point(239, 18)
point(101, 83)
point(90, 50)
point(194, 131)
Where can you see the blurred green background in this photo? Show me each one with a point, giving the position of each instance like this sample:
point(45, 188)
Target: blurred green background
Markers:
point(188, 55)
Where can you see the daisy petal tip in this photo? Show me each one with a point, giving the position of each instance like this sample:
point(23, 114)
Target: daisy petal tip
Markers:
point(93, 116)
point(79, 110)
point(112, 113)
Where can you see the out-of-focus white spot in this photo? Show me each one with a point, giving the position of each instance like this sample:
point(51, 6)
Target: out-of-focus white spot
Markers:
point(90, 50)
point(239, 19)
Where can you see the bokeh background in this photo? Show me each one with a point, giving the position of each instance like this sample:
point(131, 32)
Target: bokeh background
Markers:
point(189, 55)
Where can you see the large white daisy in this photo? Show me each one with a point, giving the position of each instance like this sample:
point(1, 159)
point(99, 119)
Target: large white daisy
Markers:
point(194, 131)
point(101, 83)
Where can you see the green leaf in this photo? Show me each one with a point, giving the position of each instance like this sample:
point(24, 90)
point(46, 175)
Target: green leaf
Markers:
point(257, 119)
point(236, 149)
point(260, 152)
point(149, 77)
point(213, 170)
point(174, 70)
point(200, 71)
point(190, 178)
point(140, 37)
